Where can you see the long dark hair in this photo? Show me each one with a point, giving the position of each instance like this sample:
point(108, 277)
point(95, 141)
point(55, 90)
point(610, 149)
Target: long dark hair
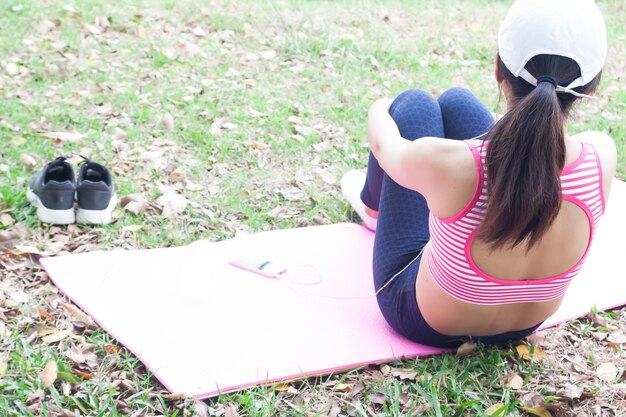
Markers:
point(526, 154)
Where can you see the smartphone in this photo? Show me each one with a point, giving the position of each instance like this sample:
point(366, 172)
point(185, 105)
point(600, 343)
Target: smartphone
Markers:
point(259, 266)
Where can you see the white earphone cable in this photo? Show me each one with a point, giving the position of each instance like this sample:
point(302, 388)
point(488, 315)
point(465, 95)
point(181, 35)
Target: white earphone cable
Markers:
point(291, 284)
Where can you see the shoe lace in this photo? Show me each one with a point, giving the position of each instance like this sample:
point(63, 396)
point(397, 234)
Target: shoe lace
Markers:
point(85, 161)
point(93, 171)
point(61, 158)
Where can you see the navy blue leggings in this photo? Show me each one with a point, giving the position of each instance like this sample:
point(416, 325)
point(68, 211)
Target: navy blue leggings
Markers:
point(402, 229)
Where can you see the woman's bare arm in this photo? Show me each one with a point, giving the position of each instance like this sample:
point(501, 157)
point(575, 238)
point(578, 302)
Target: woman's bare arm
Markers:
point(424, 165)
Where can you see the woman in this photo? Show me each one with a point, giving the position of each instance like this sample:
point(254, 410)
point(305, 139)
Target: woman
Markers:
point(479, 238)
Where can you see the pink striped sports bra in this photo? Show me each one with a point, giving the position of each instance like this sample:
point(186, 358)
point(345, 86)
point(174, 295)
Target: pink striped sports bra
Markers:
point(450, 261)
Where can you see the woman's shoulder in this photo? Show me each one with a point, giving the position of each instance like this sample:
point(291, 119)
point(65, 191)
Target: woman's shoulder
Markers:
point(607, 155)
point(604, 146)
point(602, 142)
point(452, 174)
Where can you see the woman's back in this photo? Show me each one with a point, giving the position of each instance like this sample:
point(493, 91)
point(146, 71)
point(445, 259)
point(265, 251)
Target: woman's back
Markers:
point(560, 252)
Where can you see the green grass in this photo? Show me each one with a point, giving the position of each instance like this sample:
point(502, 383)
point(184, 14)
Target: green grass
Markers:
point(332, 59)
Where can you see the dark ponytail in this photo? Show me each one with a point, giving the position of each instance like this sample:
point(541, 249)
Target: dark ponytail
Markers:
point(526, 154)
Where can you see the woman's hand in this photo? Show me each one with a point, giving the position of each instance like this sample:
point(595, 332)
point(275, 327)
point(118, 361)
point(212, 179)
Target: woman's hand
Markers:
point(380, 125)
point(382, 103)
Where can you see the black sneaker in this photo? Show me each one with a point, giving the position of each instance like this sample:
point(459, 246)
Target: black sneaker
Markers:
point(52, 190)
point(95, 195)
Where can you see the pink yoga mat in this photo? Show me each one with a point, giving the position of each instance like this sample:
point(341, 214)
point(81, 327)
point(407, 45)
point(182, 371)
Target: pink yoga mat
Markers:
point(203, 326)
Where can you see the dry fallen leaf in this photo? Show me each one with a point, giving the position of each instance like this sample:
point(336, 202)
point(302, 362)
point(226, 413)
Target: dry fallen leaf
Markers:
point(57, 411)
point(358, 387)
point(73, 312)
point(8, 239)
point(342, 387)
point(328, 177)
point(135, 207)
point(475, 27)
point(532, 399)
point(45, 331)
point(537, 339)
point(168, 121)
point(201, 408)
point(28, 250)
point(84, 375)
point(28, 160)
point(94, 29)
point(17, 141)
point(619, 389)
point(111, 348)
point(281, 387)
point(526, 352)
point(404, 374)
point(3, 366)
point(334, 410)
point(12, 69)
point(44, 314)
point(607, 372)
point(49, 374)
point(62, 136)
point(55, 337)
point(259, 146)
point(495, 410)
point(295, 120)
point(141, 32)
point(45, 26)
point(199, 32)
point(172, 203)
point(231, 411)
point(216, 127)
point(178, 175)
point(267, 55)
point(293, 194)
point(103, 22)
point(571, 391)
point(6, 219)
point(75, 355)
point(538, 411)
point(466, 348)
point(177, 396)
point(618, 338)
point(104, 108)
point(598, 320)
point(83, 355)
point(18, 297)
point(66, 387)
point(378, 398)
point(132, 228)
point(77, 314)
point(134, 203)
point(514, 381)
point(119, 134)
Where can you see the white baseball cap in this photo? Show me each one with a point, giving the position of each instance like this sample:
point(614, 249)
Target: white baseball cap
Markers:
point(571, 28)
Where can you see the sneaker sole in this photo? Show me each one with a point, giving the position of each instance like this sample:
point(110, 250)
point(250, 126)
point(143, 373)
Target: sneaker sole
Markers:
point(97, 216)
point(47, 215)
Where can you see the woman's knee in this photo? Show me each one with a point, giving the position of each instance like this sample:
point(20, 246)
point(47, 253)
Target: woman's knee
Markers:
point(464, 116)
point(411, 99)
point(455, 96)
point(417, 114)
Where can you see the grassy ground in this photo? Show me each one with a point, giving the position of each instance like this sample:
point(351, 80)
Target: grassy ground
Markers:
point(222, 117)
